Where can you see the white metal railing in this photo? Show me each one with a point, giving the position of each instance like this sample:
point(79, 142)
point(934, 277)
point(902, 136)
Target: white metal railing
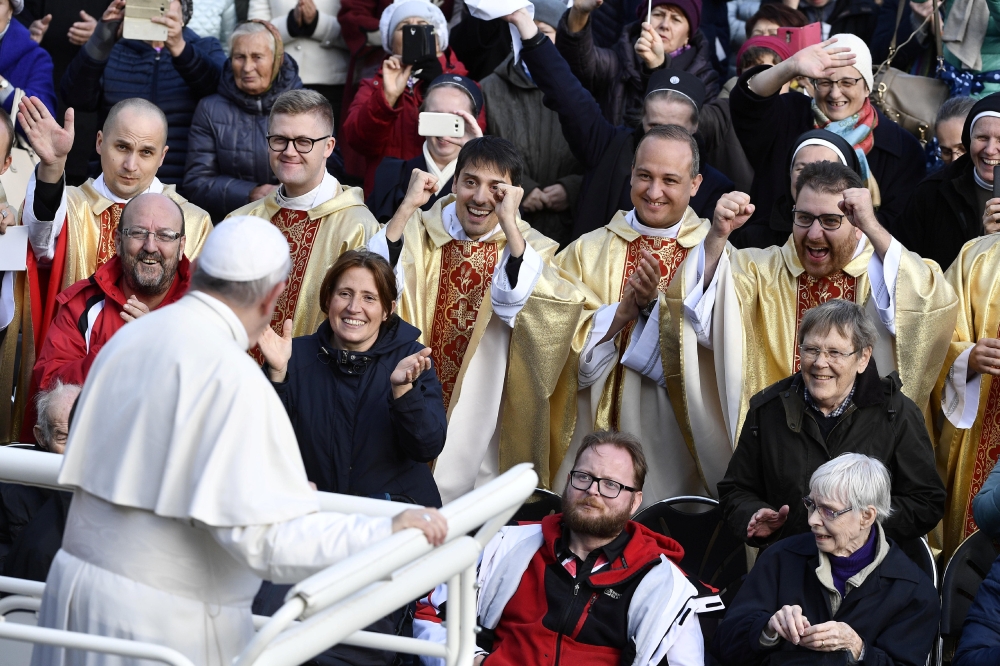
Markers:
point(334, 605)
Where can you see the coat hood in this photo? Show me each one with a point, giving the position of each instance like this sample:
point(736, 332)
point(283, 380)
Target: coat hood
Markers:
point(288, 79)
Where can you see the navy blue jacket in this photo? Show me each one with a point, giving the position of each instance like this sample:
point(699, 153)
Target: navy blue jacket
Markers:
point(27, 66)
point(136, 69)
point(391, 181)
point(227, 148)
point(354, 437)
point(980, 642)
point(604, 150)
point(894, 611)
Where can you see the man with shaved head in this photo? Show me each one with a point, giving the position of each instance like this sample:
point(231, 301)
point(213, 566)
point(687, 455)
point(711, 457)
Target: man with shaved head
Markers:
point(149, 270)
point(72, 230)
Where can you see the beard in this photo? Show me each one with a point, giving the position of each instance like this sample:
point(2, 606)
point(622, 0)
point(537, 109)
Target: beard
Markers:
point(607, 525)
point(143, 283)
point(840, 254)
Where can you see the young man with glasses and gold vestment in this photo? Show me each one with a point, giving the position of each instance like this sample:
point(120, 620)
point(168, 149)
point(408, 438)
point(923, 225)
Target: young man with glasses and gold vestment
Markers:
point(321, 218)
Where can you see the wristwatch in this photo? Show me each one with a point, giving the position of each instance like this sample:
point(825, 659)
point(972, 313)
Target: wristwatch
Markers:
point(648, 310)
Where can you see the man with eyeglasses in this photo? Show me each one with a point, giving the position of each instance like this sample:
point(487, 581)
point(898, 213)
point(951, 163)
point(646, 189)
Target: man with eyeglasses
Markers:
point(837, 403)
point(746, 306)
point(585, 586)
point(71, 230)
point(320, 218)
point(149, 270)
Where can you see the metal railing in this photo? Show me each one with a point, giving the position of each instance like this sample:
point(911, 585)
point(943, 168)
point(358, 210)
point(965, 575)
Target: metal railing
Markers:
point(334, 605)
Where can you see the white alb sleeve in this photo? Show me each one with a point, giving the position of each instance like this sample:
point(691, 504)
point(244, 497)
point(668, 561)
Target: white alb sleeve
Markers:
point(295, 549)
point(42, 234)
point(379, 244)
point(507, 300)
point(699, 304)
point(882, 275)
point(960, 402)
point(643, 352)
point(595, 357)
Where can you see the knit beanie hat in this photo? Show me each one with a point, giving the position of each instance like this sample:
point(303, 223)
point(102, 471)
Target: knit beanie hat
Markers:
point(691, 9)
point(401, 10)
point(770, 42)
point(549, 11)
point(861, 53)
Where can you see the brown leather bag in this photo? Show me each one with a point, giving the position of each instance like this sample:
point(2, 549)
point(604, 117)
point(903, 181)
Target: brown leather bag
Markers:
point(911, 101)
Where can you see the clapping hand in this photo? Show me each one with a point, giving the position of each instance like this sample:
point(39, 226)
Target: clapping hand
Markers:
point(277, 350)
point(766, 522)
point(645, 281)
point(81, 31)
point(408, 370)
point(39, 27)
point(305, 12)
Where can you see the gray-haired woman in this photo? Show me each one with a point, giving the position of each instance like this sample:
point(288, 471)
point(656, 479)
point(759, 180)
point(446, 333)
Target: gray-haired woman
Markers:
point(836, 404)
point(842, 594)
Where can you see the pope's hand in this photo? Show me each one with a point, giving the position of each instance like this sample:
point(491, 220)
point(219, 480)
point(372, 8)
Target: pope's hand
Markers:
point(50, 142)
point(407, 371)
point(133, 309)
point(277, 350)
point(984, 358)
point(766, 522)
point(427, 520)
point(421, 188)
point(731, 213)
point(789, 623)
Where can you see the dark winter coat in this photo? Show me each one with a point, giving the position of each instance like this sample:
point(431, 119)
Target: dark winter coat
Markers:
point(227, 147)
point(34, 549)
point(392, 178)
point(768, 127)
point(18, 505)
point(857, 17)
point(618, 77)
point(136, 69)
point(605, 151)
point(943, 214)
point(894, 611)
point(980, 642)
point(781, 445)
point(514, 111)
point(26, 66)
point(354, 437)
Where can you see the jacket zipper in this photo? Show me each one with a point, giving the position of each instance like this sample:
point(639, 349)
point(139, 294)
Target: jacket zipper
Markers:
point(156, 76)
point(583, 616)
point(562, 625)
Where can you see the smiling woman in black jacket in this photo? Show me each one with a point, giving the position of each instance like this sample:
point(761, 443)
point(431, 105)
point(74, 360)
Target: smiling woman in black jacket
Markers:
point(360, 391)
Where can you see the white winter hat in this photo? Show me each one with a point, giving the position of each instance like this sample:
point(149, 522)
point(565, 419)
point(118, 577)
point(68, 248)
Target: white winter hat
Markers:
point(16, 6)
point(242, 249)
point(861, 53)
point(404, 9)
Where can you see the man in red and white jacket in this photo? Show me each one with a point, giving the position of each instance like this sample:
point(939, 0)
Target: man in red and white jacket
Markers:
point(587, 586)
point(149, 270)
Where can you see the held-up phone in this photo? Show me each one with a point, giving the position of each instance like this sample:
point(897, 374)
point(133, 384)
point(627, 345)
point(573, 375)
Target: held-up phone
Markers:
point(419, 44)
point(800, 38)
point(137, 24)
point(441, 124)
point(996, 181)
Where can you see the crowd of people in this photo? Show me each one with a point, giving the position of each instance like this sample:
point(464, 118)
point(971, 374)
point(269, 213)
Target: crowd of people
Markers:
point(671, 249)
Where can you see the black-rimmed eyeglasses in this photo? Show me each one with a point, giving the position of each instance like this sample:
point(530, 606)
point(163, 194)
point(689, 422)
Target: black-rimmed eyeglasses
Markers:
point(829, 221)
point(303, 144)
point(607, 487)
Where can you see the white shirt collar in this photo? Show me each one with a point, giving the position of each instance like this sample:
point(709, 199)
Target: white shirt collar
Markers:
point(326, 190)
point(454, 227)
point(669, 232)
point(239, 331)
point(156, 187)
point(443, 175)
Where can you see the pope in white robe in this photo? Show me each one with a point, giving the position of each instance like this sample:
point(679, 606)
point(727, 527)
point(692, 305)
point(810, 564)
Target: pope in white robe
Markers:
point(188, 483)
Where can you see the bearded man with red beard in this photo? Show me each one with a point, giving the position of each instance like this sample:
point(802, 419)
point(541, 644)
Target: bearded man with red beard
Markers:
point(149, 270)
point(740, 310)
point(588, 585)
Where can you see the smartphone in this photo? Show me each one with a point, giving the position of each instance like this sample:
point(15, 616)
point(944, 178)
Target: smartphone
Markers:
point(137, 24)
point(419, 44)
point(996, 181)
point(800, 38)
point(440, 124)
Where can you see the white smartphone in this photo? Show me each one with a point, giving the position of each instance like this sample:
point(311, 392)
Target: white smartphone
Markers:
point(441, 124)
point(137, 24)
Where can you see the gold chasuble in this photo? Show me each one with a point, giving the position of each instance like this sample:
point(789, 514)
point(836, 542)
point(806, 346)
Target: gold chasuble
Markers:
point(967, 455)
point(316, 238)
point(619, 397)
point(760, 299)
point(508, 392)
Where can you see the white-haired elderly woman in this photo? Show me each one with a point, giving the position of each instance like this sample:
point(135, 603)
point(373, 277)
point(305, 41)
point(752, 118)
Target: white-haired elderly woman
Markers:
point(836, 404)
point(843, 593)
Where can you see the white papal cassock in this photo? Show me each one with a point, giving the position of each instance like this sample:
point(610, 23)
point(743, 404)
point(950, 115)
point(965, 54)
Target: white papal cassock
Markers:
point(189, 490)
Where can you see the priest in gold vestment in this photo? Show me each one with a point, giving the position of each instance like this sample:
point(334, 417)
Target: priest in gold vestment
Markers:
point(500, 322)
point(624, 268)
point(969, 394)
point(743, 307)
point(71, 229)
point(320, 218)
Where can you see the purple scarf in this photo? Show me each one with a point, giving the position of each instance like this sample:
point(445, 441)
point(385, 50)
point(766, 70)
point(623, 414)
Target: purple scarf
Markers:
point(844, 568)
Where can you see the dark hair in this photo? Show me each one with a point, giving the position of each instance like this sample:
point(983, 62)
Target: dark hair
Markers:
point(954, 107)
point(495, 153)
point(385, 279)
point(620, 440)
point(827, 177)
point(673, 133)
point(754, 56)
point(301, 101)
point(9, 126)
point(122, 220)
point(776, 12)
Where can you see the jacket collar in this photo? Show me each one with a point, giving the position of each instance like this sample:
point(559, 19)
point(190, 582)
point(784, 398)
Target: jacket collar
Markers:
point(512, 72)
point(288, 79)
point(868, 391)
point(895, 565)
point(855, 267)
point(108, 277)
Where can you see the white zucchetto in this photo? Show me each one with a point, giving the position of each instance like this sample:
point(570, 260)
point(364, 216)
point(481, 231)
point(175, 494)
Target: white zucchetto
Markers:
point(242, 249)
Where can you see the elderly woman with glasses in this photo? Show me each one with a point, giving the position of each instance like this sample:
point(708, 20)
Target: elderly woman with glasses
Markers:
point(841, 595)
point(837, 403)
